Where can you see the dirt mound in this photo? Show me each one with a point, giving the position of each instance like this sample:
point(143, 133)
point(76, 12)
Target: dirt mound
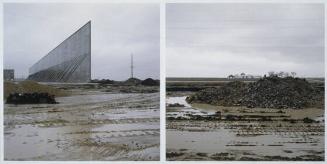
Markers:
point(274, 92)
point(132, 81)
point(103, 81)
point(30, 87)
point(268, 92)
point(227, 95)
point(30, 98)
point(150, 82)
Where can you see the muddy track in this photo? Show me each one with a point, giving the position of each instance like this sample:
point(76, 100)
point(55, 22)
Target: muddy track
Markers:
point(123, 133)
point(289, 135)
point(243, 127)
point(122, 128)
point(144, 101)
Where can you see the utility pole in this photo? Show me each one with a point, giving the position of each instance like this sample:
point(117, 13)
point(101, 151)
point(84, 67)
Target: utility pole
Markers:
point(132, 65)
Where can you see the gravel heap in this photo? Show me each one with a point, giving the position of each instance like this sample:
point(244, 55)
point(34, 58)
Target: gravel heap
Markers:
point(268, 92)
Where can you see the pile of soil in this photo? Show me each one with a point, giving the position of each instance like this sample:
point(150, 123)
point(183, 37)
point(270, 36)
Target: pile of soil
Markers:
point(132, 81)
point(31, 98)
point(268, 92)
point(150, 82)
point(103, 81)
point(30, 87)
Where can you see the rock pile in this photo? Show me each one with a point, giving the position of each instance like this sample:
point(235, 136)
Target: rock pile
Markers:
point(227, 95)
point(31, 98)
point(268, 92)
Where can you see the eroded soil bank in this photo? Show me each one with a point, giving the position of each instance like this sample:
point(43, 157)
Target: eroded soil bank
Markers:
point(90, 124)
point(196, 132)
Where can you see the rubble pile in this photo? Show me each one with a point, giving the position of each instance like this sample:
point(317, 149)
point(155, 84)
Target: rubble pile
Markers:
point(268, 92)
point(227, 95)
point(31, 98)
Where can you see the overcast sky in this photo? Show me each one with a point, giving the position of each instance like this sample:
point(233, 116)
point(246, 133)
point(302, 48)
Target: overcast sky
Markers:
point(32, 30)
point(215, 40)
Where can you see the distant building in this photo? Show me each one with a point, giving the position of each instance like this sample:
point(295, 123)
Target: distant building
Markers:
point(70, 61)
point(9, 74)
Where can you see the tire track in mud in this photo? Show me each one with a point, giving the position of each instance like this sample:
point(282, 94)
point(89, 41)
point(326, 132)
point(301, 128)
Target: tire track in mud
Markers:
point(115, 151)
point(119, 152)
point(123, 133)
point(84, 131)
point(119, 121)
point(286, 137)
point(143, 101)
point(134, 134)
point(268, 128)
point(52, 123)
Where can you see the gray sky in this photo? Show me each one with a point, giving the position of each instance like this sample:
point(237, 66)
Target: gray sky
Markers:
point(32, 30)
point(215, 40)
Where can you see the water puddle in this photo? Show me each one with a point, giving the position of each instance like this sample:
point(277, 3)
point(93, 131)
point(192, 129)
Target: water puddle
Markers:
point(186, 110)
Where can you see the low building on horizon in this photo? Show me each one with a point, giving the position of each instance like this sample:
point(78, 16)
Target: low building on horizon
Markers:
point(9, 74)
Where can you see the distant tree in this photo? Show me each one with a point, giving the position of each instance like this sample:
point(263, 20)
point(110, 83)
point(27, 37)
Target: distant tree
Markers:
point(243, 75)
point(271, 73)
point(280, 74)
point(231, 77)
point(293, 74)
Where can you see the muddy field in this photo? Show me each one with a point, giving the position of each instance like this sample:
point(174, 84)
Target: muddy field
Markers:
point(197, 132)
point(93, 123)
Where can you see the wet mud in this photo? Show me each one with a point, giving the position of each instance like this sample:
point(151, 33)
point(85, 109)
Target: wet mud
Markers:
point(88, 125)
point(194, 133)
